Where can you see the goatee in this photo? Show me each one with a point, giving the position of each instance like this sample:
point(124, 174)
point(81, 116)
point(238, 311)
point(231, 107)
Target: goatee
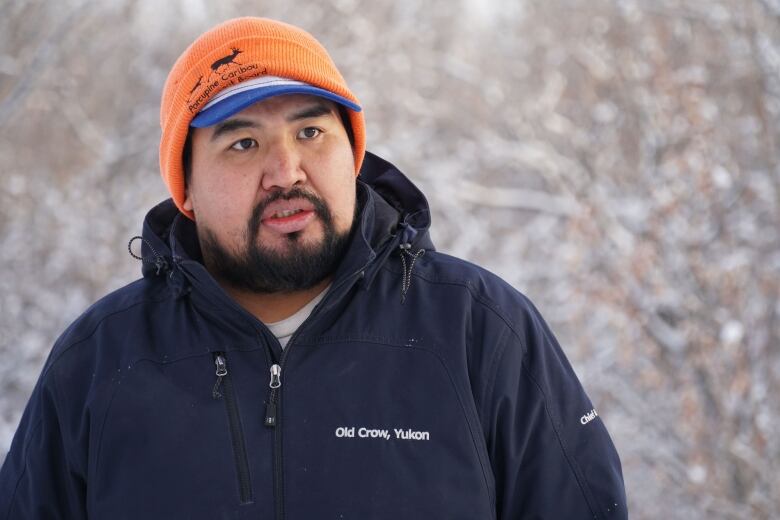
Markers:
point(263, 270)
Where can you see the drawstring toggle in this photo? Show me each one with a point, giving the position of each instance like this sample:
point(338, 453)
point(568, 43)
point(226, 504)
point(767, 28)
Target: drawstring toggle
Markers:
point(159, 261)
point(406, 282)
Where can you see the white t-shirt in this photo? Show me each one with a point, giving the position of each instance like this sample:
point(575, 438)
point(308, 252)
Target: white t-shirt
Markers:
point(284, 329)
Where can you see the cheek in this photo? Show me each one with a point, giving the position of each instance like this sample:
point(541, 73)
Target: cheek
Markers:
point(221, 198)
point(342, 190)
point(344, 207)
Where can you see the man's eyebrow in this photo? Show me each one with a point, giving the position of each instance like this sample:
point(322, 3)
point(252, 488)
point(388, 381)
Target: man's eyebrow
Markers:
point(317, 110)
point(231, 125)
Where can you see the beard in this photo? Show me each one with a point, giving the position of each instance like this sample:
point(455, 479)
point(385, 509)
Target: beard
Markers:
point(259, 269)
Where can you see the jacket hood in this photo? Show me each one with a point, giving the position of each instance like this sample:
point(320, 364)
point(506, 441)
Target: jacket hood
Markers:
point(393, 212)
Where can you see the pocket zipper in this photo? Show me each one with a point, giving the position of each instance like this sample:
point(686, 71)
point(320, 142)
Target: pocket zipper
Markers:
point(234, 423)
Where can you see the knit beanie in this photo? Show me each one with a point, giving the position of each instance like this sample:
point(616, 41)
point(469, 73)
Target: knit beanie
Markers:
point(246, 51)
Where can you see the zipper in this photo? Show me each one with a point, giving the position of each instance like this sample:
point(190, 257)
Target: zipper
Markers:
point(234, 423)
point(271, 421)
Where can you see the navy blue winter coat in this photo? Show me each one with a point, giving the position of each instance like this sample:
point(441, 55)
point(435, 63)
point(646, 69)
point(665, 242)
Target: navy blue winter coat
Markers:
point(453, 401)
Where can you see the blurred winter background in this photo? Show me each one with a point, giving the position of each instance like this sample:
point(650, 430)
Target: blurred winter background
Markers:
point(616, 160)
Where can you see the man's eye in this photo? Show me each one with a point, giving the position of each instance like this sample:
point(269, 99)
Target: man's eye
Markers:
point(244, 144)
point(309, 133)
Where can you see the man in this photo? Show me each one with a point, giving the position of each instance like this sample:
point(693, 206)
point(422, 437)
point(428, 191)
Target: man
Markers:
point(296, 347)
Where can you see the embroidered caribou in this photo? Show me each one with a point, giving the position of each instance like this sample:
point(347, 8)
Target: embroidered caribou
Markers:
point(227, 60)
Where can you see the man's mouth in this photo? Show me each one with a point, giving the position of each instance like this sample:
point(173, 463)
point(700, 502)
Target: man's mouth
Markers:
point(288, 216)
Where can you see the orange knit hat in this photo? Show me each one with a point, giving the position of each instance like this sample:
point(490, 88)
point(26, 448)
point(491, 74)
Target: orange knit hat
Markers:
point(209, 65)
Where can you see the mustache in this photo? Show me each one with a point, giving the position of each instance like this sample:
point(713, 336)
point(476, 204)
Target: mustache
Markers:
point(320, 208)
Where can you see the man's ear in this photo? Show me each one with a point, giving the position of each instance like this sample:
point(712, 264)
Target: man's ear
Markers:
point(187, 202)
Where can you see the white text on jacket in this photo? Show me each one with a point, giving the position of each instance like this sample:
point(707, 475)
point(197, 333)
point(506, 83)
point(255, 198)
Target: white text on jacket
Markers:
point(585, 419)
point(369, 433)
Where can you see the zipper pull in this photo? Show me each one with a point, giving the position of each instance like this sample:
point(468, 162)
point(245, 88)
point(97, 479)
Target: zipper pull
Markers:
point(270, 409)
point(221, 372)
point(276, 376)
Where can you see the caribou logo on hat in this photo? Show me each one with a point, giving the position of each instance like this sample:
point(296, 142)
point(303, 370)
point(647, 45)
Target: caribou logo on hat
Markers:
point(229, 59)
point(226, 60)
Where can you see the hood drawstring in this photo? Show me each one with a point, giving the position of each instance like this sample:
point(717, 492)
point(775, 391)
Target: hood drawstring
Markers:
point(159, 261)
point(406, 282)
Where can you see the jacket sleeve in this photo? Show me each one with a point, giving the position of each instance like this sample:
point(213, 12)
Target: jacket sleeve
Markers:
point(38, 478)
point(551, 454)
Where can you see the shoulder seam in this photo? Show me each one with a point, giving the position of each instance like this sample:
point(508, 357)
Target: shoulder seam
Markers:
point(50, 365)
point(478, 297)
point(495, 361)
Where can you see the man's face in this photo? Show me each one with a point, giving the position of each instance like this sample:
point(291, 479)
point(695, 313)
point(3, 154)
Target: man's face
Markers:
point(273, 193)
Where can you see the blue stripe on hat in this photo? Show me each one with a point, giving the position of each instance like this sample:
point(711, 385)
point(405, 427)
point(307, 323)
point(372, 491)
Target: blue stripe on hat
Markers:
point(238, 102)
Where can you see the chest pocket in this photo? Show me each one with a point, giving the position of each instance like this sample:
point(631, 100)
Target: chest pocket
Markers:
point(170, 449)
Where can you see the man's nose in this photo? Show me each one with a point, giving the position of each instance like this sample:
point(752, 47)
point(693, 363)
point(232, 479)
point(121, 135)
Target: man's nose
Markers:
point(282, 166)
